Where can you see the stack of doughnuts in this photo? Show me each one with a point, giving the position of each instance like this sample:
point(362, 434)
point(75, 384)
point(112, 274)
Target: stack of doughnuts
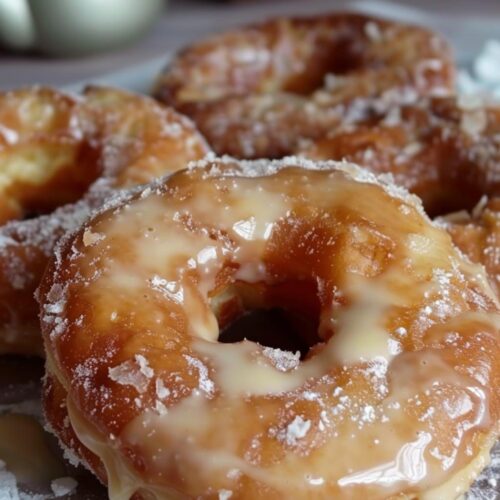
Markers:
point(337, 179)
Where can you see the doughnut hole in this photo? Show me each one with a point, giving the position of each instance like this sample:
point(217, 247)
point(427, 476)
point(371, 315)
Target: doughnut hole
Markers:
point(348, 56)
point(283, 317)
point(288, 315)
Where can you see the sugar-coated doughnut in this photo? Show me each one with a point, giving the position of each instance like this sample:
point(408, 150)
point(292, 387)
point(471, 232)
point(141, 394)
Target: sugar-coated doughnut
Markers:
point(445, 150)
point(396, 397)
point(56, 149)
point(256, 91)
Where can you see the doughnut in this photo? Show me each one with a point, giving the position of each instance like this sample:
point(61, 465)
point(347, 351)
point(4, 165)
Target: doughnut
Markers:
point(60, 157)
point(394, 396)
point(43, 164)
point(257, 90)
point(446, 150)
point(477, 234)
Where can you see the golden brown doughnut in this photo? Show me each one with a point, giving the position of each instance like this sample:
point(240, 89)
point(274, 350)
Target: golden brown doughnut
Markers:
point(445, 150)
point(396, 397)
point(53, 147)
point(255, 91)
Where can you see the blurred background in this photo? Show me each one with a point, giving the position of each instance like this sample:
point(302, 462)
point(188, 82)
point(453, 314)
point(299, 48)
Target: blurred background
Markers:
point(59, 42)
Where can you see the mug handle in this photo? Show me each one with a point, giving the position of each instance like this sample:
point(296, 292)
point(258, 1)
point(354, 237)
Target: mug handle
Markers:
point(17, 29)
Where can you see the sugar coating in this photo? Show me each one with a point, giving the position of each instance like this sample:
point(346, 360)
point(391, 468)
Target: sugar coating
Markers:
point(205, 383)
point(225, 494)
point(295, 431)
point(63, 486)
point(8, 483)
point(135, 373)
point(282, 360)
point(484, 80)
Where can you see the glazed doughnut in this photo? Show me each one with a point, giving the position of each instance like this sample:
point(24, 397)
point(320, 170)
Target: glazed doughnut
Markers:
point(255, 91)
point(446, 150)
point(397, 395)
point(477, 234)
point(54, 148)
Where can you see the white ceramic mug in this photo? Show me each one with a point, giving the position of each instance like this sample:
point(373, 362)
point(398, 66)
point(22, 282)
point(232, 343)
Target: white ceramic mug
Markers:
point(74, 27)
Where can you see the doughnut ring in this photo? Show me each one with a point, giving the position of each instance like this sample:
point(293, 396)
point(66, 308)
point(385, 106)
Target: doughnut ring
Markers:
point(256, 91)
point(55, 150)
point(402, 336)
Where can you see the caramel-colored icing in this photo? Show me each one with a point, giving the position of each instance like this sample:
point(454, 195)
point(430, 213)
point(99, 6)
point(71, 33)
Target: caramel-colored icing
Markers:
point(399, 397)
